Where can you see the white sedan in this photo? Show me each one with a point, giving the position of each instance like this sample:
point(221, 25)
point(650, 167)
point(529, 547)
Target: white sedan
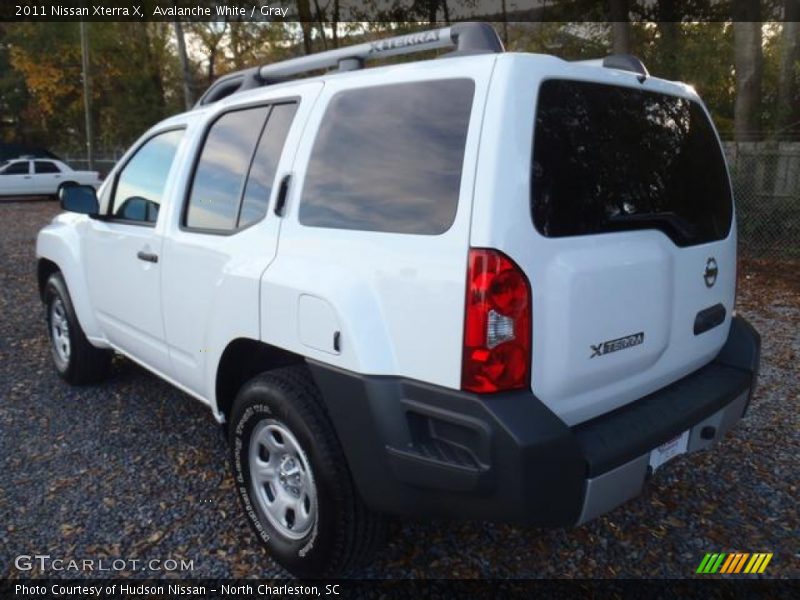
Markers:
point(41, 177)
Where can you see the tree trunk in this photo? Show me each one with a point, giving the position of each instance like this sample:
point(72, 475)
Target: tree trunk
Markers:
point(188, 94)
point(505, 22)
point(321, 25)
point(670, 41)
point(788, 111)
point(335, 24)
point(304, 14)
point(235, 43)
point(212, 58)
point(620, 27)
point(152, 68)
point(747, 64)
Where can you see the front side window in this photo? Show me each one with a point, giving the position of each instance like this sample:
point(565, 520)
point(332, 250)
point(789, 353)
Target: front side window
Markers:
point(17, 168)
point(140, 185)
point(611, 158)
point(45, 166)
point(389, 158)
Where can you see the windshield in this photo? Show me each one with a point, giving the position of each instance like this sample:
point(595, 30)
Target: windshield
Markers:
point(609, 158)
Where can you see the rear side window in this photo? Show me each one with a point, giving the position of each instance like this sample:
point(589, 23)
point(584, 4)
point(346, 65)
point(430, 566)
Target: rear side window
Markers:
point(265, 164)
point(610, 158)
point(223, 165)
point(234, 175)
point(45, 166)
point(389, 158)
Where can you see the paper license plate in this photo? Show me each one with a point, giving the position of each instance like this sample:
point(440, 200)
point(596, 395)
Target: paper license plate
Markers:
point(669, 450)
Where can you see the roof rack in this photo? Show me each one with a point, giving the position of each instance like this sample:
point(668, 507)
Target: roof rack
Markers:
point(467, 38)
point(621, 62)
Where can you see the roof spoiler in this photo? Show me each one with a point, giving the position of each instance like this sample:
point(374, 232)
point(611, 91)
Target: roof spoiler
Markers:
point(627, 62)
point(465, 38)
point(621, 62)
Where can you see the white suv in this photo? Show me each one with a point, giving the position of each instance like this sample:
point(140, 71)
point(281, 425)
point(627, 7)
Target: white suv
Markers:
point(488, 286)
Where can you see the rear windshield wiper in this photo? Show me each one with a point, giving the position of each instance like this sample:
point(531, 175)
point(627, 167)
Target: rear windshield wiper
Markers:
point(668, 222)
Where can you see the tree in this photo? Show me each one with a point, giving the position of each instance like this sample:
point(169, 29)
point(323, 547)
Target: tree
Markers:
point(620, 26)
point(14, 96)
point(210, 36)
point(788, 111)
point(335, 24)
point(304, 14)
point(188, 93)
point(748, 66)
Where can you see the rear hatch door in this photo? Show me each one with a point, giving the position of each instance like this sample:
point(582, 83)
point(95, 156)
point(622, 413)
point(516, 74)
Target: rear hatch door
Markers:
point(629, 248)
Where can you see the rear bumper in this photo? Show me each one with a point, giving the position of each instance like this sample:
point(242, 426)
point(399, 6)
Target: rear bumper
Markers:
point(419, 450)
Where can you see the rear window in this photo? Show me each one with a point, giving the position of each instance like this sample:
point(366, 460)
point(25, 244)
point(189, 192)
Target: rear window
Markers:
point(44, 166)
point(610, 158)
point(389, 158)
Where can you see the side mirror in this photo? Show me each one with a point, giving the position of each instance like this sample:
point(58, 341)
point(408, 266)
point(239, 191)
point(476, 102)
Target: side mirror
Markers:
point(79, 199)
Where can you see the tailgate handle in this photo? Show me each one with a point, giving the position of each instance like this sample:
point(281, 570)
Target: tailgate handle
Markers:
point(708, 318)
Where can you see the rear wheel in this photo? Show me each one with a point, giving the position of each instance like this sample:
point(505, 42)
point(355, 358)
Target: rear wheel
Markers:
point(293, 479)
point(76, 360)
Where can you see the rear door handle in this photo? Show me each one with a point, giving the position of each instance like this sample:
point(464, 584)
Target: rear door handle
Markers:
point(283, 190)
point(147, 256)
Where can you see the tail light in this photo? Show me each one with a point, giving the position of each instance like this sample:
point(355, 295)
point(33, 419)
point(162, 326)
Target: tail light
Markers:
point(497, 325)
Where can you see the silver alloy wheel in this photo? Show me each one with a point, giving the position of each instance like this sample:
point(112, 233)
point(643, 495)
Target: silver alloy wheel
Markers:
point(59, 330)
point(281, 479)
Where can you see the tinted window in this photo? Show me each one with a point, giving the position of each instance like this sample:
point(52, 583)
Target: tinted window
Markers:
point(43, 166)
point(389, 158)
point(221, 170)
point(18, 168)
point(142, 180)
point(265, 163)
point(138, 209)
point(610, 158)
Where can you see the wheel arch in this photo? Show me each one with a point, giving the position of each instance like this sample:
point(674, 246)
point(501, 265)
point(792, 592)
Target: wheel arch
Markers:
point(243, 359)
point(44, 269)
point(58, 249)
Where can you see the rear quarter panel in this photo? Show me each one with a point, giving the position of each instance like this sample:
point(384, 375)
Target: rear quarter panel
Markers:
point(396, 299)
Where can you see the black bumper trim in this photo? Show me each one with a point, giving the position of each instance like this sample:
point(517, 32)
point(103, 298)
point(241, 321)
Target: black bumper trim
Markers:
point(421, 450)
point(632, 430)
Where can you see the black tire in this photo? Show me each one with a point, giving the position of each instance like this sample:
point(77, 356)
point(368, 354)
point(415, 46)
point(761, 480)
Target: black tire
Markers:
point(344, 532)
point(83, 362)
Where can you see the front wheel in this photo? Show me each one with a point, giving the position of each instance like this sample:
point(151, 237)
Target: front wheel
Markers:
point(76, 360)
point(293, 479)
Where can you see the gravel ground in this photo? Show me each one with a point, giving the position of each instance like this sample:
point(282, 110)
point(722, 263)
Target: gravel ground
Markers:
point(136, 469)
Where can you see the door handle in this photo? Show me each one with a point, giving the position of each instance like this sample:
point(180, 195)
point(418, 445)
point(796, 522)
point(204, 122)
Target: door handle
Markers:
point(283, 190)
point(147, 256)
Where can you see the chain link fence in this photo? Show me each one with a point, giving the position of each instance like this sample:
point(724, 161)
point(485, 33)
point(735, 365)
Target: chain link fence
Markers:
point(766, 187)
point(102, 165)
